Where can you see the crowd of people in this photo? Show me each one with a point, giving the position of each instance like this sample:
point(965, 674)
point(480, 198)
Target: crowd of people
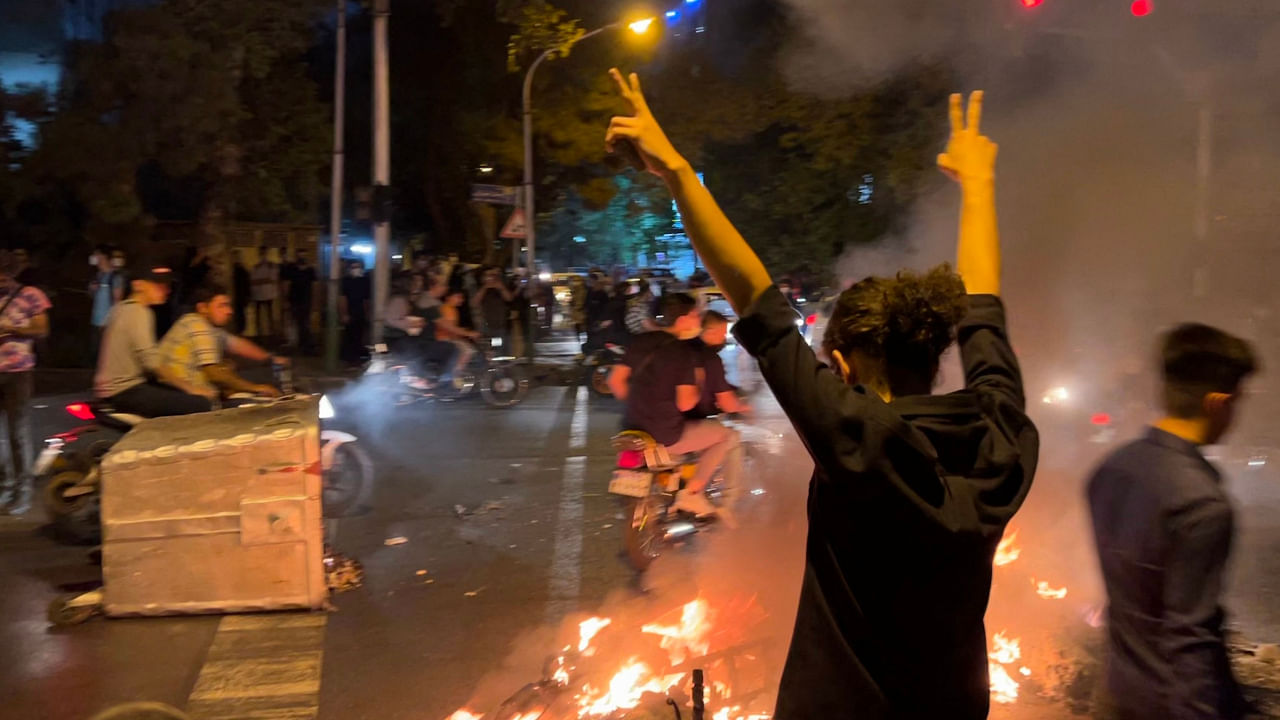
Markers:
point(911, 491)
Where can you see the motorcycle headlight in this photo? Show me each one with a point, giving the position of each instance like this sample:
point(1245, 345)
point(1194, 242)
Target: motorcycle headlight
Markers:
point(326, 408)
point(1056, 396)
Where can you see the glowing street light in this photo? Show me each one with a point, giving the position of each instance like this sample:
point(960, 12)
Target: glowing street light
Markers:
point(641, 27)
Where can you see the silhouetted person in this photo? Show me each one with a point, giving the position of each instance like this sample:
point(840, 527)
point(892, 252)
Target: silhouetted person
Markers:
point(1162, 525)
point(911, 491)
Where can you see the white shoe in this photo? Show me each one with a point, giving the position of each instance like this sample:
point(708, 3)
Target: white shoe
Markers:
point(695, 503)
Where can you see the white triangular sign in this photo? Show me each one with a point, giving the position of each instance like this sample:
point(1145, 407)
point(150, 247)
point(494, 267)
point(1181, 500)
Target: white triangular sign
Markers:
point(514, 229)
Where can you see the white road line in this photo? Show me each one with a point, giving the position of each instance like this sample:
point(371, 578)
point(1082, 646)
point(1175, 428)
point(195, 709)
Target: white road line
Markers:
point(566, 563)
point(578, 425)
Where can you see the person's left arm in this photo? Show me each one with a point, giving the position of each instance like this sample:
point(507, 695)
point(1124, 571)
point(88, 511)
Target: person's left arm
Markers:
point(1198, 542)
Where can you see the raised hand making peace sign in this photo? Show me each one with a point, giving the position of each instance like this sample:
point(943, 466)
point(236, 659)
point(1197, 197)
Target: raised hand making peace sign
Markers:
point(640, 135)
point(970, 155)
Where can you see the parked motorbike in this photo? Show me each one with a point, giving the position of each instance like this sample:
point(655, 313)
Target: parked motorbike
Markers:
point(497, 377)
point(70, 466)
point(647, 477)
point(593, 368)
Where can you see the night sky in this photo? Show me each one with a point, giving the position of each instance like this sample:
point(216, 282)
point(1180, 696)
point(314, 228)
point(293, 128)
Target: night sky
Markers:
point(29, 25)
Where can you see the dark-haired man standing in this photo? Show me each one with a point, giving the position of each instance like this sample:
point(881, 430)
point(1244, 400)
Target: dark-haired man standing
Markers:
point(658, 380)
point(1162, 523)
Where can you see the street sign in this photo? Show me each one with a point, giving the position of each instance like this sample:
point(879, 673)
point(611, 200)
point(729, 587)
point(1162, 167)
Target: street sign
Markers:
point(495, 194)
point(514, 229)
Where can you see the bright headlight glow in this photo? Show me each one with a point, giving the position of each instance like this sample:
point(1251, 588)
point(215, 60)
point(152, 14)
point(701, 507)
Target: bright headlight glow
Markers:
point(1056, 396)
point(326, 408)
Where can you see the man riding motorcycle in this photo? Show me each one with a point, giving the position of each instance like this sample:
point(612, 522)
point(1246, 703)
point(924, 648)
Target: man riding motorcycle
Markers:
point(718, 396)
point(658, 381)
point(131, 377)
point(194, 348)
point(410, 328)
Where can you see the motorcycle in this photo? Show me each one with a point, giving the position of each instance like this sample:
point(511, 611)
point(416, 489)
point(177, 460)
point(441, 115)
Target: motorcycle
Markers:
point(647, 478)
point(496, 375)
point(593, 368)
point(70, 466)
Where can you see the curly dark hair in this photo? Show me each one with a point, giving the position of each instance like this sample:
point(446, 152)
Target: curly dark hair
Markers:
point(906, 322)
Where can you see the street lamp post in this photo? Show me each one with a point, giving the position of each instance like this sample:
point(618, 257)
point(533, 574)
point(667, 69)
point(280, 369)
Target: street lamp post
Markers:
point(639, 27)
point(530, 236)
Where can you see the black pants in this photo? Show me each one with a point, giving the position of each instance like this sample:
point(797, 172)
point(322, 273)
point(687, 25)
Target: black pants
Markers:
point(151, 399)
point(262, 317)
point(424, 354)
point(353, 340)
point(302, 321)
point(15, 401)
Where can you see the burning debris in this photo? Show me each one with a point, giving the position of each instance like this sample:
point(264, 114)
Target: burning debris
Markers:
point(646, 679)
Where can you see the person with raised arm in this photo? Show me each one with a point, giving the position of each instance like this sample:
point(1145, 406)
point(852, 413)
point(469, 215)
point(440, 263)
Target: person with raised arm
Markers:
point(911, 491)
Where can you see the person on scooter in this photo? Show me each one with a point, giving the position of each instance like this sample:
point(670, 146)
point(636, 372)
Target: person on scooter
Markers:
point(449, 329)
point(410, 328)
point(911, 492)
point(130, 376)
point(658, 381)
point(194, 348)
point(718, 396)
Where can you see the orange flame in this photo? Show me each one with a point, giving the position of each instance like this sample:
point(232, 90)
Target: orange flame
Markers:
point(1007, 551)
point(625, 690)
point(464, 714)
point(1048, 593)
point(587, 629)
point(689, 636)
point(1004, 689)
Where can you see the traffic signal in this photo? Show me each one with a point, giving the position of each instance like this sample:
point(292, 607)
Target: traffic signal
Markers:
point(1142, 8)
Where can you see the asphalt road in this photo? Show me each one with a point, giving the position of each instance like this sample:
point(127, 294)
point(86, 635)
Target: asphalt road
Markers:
point(509, 540)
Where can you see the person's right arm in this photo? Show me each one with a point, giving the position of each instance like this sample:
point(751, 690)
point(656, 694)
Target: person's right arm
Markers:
point(398, 314)
point(620, 381)
point(1198, 543)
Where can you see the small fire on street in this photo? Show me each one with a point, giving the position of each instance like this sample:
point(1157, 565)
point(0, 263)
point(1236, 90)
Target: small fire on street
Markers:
point(580, 683)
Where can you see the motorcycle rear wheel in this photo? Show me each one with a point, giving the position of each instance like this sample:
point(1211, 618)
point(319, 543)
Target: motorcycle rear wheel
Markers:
point(598, 380)
point(74, 520)
point(348, 482)
point(642, 532)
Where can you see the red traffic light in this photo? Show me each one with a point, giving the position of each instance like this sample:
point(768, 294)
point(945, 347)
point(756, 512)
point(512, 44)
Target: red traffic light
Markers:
point(1142, 8)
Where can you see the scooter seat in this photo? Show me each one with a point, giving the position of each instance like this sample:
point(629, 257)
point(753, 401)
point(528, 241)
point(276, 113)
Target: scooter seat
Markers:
point(109, 416)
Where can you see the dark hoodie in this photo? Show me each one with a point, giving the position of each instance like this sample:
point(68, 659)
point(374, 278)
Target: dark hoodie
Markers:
point(906, 506)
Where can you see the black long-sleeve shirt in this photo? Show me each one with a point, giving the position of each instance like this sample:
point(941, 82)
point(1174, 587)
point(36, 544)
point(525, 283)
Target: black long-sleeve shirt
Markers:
point(906, 506)
point(1163, 526)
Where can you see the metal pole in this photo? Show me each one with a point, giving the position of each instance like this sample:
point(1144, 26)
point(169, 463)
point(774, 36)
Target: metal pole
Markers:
point(335, 192)
point(1204, 171)
point(530, 238)
point(530, 235)
point(381, 161)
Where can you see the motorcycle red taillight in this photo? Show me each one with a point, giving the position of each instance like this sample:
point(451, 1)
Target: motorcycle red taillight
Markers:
point(811, 320)
point(1101, 419)
point(80, 411)
point(630, 459)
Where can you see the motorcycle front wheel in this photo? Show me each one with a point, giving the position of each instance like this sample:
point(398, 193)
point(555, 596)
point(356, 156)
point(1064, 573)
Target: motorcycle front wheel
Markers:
point(642, 532)
point(504, 386)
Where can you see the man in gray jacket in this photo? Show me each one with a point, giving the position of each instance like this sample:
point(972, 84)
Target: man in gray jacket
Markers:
point(131, 377)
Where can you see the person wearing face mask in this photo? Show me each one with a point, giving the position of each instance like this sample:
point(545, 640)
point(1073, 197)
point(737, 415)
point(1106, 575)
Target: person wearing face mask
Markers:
point(718, 396)
point(106, 289)
point(658, 381)
point(353, 310)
